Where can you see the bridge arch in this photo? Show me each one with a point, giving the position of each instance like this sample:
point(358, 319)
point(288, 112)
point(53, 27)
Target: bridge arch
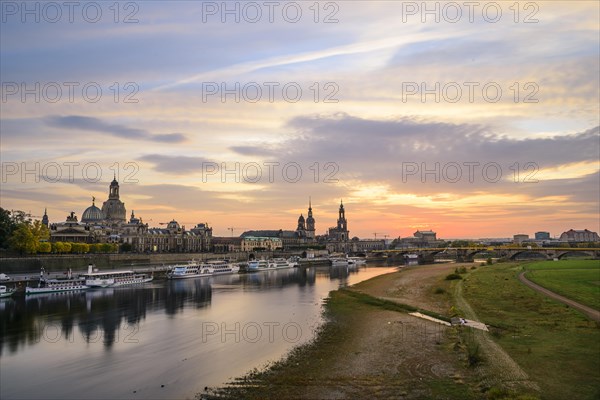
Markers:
point(529, 255)
point(570, 253)
point(486, 252)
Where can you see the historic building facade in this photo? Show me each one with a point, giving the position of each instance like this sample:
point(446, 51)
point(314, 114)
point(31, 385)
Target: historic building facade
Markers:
point(340, 232)
point(71, 230)
point(579, 235)
point(337, 239)
point(303, 236)
point(109, 225)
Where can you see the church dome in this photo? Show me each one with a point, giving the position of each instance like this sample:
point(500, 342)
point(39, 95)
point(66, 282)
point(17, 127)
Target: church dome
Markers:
point(173, 225)
point(301, 218)
point(92, 214)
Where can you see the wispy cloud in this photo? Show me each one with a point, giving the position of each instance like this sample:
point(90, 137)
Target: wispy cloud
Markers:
point(91, 124)
point(367, 46)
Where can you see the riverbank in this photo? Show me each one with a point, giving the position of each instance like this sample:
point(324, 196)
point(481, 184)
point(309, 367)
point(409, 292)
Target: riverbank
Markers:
point(372, 348)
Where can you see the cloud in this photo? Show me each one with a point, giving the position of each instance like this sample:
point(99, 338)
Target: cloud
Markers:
point(77, 122)
point(253, 150)
point(175, 164)
point(370, 142)
point(372, 153)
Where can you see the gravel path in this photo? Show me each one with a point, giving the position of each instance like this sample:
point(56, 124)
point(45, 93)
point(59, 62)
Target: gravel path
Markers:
point(589, 311)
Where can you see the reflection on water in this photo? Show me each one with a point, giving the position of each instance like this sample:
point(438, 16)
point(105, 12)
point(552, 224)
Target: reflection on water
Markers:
point(187, 333)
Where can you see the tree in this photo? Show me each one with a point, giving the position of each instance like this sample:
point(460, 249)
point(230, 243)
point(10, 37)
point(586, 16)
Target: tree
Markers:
point(7, 226)
point(22, 240)
point(19, 217)
point(26, 237)
point(67, 247)
point(57, 247)
point(40, 231)
point(75, 248)
point(44, 247)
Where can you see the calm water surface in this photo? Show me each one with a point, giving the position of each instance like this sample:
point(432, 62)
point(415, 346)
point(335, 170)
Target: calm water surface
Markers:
point(129, 342)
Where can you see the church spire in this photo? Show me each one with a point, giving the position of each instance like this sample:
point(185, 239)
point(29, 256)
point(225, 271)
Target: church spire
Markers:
point(45, 220)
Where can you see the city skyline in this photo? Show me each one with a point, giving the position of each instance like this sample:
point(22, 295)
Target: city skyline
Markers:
point(327, 231)
point(379, 122)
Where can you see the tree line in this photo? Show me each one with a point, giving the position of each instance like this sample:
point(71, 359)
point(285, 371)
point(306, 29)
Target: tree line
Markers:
point(24, 236)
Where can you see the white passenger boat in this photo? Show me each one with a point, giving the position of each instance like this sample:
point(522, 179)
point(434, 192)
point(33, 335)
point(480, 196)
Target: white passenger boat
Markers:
point(294, 261)
point(220, 267)
point(114, 278)
point(190, 270)
point(208, 268)
point(339, 262)
point(57, 285)
point(279, 263)
point(5, 292)
point(356, 261)
point(257, 265)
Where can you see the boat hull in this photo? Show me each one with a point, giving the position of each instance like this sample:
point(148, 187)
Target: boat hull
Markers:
point(186, 276)
point(30, 290)
point(108, 283)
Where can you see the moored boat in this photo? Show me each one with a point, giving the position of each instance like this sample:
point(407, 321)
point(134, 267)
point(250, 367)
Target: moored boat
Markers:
point(257, 265)
point(114, 278)
point(6, 292)
point(57, 285)
point(294, 261)
point(356, 261)
point(192, 269)
point(220, 267)
point(279, 263)
point(339, 262)
point(208, 268)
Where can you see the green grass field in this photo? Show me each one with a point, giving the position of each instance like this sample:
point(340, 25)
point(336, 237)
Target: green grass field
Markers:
point(555, 345)
point(578, 280)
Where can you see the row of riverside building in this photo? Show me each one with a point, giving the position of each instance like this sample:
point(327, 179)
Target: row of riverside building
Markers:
point(109, 224)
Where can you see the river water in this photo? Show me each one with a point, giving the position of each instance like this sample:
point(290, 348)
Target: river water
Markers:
point(163, 339)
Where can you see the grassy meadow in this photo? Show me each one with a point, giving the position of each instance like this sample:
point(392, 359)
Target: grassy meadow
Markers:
point(555, 345)
point(578, 280)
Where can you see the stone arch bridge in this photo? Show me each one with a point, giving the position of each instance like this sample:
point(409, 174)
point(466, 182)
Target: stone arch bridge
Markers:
point(468, 254)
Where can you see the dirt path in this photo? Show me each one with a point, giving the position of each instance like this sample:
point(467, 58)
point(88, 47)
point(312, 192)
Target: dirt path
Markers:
point(500, 367)
point(589, 311)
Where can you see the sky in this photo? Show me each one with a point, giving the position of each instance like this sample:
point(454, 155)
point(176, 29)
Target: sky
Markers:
point(471, 119)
